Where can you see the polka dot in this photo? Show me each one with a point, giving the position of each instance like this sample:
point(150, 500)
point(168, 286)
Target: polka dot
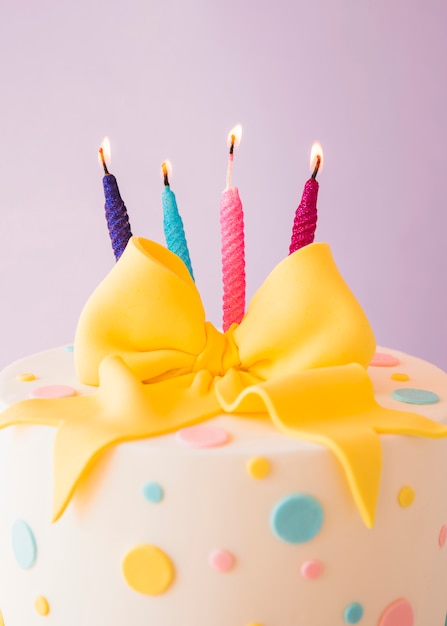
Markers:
point(54, 391)
point(153, 492)
point(2, 621)
point(311, 569)
point(415, 396)
point(400, 377)
point(203, 436)
point(221, 560)
point(353, 613)
point(258, 467)
point(23, 544)
point(41, 605)
point(69, 348)
point(250, 624)
point(398, 613)
point(382, 359)
point(148, 570)
point(442, 536)
point(297, 518)
point(26, 377)
point(406, 496)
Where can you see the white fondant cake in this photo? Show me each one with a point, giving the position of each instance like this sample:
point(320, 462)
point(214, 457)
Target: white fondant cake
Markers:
point(258, 477)
point(231, 523)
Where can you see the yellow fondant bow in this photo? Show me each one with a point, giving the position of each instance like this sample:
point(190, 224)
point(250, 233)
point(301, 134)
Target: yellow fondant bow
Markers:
point(299, 357)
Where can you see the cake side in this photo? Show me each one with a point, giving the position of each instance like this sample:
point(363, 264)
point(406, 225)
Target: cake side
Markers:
point(212, 522)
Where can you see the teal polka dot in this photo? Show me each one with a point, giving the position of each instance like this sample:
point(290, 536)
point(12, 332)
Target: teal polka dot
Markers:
point(23, 544)
point(353, 613)
point(153, 492)
point(415, 396)
point(69, 348)
point(297, 518)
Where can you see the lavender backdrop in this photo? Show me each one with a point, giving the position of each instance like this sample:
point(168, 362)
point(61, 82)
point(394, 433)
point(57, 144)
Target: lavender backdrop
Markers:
point(168, 80)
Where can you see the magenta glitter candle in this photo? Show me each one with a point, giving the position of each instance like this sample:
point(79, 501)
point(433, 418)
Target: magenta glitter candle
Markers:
point(305, 221)
point(233, 245)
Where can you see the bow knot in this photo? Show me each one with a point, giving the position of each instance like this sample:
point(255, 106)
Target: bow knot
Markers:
point(220, 353)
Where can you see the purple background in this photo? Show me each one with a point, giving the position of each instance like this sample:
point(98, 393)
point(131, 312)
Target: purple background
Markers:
point(168, 80)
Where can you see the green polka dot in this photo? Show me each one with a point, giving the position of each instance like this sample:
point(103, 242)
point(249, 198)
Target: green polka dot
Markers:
point(297, 518)
point(353, 613)
point(23, 544)
point(415, 396)
point(153, 492)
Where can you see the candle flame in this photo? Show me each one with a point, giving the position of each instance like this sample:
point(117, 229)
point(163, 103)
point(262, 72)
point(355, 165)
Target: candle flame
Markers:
point(105, 151)
point(234, 136)
point(166, 171)
point(166, 168)
point(316, 151)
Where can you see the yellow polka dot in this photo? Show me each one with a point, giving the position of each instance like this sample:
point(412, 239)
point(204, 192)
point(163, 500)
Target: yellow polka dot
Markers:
point(258, 467)
point(26, 377)
point(2, 621)
point(399, 376)
point(41, 605)
point(254, 624)
point(148, 570)
point(406, 496)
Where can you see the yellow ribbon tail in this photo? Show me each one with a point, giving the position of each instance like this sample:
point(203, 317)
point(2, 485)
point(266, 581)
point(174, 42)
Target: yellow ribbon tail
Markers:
point(123, 409)
point(333, 407)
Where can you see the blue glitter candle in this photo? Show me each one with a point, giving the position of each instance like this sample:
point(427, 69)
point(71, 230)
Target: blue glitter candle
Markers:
point(173, 223)
point(115, 209)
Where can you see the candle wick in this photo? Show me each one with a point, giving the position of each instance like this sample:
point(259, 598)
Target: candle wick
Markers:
point(233, 141)
point(103, 160)
point(317, 167)
point(165, 174)
point(230, 162)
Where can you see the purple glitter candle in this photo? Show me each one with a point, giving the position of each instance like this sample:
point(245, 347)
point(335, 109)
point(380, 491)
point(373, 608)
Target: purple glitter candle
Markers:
point(116, 212)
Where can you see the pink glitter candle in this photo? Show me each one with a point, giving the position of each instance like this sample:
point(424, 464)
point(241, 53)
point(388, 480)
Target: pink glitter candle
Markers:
point(233, 244)
point(305, 222)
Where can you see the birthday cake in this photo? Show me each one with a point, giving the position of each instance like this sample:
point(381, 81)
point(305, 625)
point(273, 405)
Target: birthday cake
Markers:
point(285, 473)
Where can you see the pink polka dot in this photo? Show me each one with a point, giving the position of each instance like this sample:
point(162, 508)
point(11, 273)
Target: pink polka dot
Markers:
point(442, 536)
point(311, 569)
point(381, 359)
point(398, 613)
point(221, 560)
point(203, 436)
point(54, 391)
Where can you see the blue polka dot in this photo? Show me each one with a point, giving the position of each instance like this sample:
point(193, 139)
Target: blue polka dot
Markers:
point(415, 396)
point(297, 518)
point(153, 492)
point(23, 544)
point(69, 348)
point(353, 613)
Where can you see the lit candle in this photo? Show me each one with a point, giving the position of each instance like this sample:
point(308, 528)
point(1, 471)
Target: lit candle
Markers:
point(172, 221)
point(233, 244)
point(305, 222)
point(116, 212)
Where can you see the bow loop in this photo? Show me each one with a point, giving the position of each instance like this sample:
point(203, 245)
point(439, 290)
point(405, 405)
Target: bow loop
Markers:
point(148, 311)
point(304, 316)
